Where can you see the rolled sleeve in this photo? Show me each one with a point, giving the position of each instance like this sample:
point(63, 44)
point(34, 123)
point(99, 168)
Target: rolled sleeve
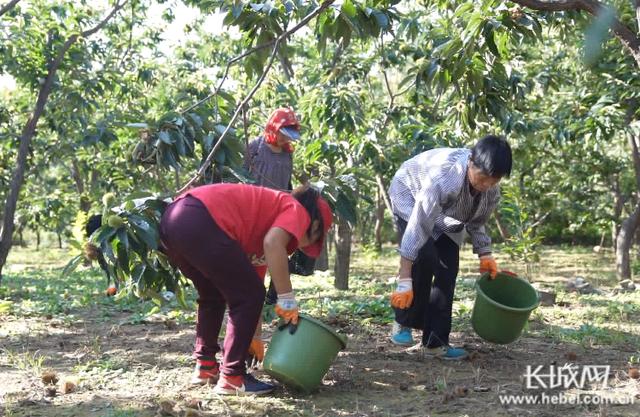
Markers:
point(480, 240)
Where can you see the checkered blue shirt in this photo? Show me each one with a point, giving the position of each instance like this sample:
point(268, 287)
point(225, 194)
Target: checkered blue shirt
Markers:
point(431, 193)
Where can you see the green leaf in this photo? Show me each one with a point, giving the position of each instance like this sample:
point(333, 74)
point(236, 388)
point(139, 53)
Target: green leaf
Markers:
point(72, 265)
point(490, 41)
point(122, 249)
point(381, 19)
point(463, 9)
point(349, 9)
point(5, 306)
point(144, 231)
point(140, 125)
point(236, 9)
point(596, 35)
point(164, 136)
point(346, 209)
point(139, 194)
point(178, 140)
point(156, 298)
point(101, 235)
point(180, 296)
point(138, 272)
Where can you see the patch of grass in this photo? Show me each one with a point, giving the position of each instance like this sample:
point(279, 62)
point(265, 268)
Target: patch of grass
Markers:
point(101, 364)
point(589, 334)
point(593, 319)
point(121, 413)
point(42, 291)
point(620, 308)
point(26, 361)
point(370, 309)
point(37, 289)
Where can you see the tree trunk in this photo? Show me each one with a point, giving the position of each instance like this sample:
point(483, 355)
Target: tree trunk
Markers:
point(17, 179)
point(343, 255)
point(85, 204)
point(379, 220)
point(37, 239)
point(29, 130)
point(618, 206)
point(382, 188)
point(59, 240)
point(630, 224)
point(623, 244)
point(322, 263)
point(502, 229)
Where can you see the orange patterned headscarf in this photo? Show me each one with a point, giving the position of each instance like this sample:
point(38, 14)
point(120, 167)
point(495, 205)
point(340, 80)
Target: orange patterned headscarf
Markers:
point(280, 118)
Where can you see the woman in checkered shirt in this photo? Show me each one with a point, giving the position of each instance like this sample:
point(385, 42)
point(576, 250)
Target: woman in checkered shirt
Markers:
point(435, 197)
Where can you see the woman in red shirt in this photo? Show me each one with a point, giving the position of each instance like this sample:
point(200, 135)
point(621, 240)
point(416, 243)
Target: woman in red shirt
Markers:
point(224, 237)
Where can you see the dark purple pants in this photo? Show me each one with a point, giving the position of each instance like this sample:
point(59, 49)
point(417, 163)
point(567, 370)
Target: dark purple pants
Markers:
point(222, 274)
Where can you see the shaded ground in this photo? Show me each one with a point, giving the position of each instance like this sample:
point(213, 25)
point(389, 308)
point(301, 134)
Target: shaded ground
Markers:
point(127, 358)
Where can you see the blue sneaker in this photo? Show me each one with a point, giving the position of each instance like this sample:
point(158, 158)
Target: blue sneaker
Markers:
point(245, 384)
point(400, 335)
point(446, 353)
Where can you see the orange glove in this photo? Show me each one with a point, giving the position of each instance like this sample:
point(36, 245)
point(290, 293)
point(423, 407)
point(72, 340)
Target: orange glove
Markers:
point(287, 307)
point(488, 264)
point(256, 349)
point(402, 297)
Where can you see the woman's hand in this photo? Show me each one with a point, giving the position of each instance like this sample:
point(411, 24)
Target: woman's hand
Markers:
point(287, 307)
point(402, 297)
point(256, 349)
point(488, 264)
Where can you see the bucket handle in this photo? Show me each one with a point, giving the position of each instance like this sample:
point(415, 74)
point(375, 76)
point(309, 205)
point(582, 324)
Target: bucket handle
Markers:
point(292, 327)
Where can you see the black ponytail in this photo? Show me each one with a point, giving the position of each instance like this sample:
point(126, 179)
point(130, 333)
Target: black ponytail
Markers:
point(308, 197)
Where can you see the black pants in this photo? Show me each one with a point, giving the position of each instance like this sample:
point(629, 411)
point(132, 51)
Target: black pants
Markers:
point(432, 298)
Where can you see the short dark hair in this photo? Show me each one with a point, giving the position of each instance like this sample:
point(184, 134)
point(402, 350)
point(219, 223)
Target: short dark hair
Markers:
point(492, 155)
point(308, 197)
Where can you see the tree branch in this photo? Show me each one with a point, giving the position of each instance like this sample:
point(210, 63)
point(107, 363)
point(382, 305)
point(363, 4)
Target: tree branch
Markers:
point(207, 162)
point(8, 6)
point(130, 43)
point(628, 37)
point(104, 21)
point(260, 47)
point(274, 53)
point(551, 6)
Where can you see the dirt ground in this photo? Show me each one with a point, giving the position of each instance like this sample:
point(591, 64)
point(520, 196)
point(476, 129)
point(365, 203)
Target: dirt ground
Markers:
point(116, 367)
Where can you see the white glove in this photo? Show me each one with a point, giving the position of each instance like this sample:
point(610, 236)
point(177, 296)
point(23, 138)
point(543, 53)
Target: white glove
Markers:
point(404, 284)
point(287, 301)
point(287, 307)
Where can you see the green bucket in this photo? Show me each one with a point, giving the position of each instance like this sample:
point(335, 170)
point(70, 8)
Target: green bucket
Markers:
point(502, 307)
point(302, 359)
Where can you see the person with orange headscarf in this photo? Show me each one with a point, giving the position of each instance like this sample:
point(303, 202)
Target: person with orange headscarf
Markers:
point(269, 157)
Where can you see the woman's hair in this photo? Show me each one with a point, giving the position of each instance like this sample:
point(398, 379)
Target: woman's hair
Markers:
point(308, 197)
point(492, 155)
